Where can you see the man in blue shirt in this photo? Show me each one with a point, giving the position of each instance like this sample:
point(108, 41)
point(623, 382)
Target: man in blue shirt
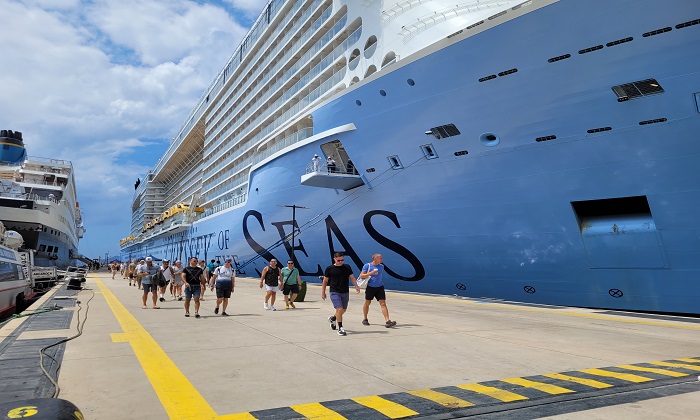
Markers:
point(375, 289)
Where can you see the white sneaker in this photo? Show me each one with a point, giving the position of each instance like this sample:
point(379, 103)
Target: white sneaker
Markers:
point(272, 308)
point(341, 331)
point(266, 307)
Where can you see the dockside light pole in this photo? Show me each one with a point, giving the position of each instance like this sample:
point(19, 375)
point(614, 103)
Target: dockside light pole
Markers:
point(294, 224)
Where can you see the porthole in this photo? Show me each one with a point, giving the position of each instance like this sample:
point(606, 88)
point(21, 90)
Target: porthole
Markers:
point(382, 92)
point(489, 139)
point(394, 162)
point(358, 102)
point(410, 82)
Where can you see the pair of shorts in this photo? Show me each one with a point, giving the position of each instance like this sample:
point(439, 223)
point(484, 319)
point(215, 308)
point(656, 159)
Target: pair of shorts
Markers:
point(224, 289)
point(375, 293)
point(131, 275)
point(294, 288)
point(340, 300)
point(178, 282)
point(193, 291)
point(149, 288)
point(272, 288)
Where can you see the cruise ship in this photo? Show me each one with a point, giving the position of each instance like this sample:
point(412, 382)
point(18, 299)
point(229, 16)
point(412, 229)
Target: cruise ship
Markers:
point(38, 201)
point(539, 151)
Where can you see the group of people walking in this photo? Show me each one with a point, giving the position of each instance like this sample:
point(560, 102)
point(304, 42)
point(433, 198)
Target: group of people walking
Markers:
point(197, 276)
point(193, 279)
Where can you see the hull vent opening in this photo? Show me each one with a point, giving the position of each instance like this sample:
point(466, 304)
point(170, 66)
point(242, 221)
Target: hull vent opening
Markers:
point(620, 233)
point(638, 89)
point(443, 131)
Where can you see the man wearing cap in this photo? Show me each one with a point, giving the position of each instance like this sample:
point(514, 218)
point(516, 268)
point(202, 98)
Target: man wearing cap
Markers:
point(316, 161)
point(169, 274)
point(224, 278)
point(145, 276)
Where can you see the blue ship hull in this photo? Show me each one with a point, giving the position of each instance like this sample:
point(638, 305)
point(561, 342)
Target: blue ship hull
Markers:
point(601, 214)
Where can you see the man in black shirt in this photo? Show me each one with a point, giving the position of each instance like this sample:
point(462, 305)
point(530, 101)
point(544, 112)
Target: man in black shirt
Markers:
point(193, 277)
point(336, 276)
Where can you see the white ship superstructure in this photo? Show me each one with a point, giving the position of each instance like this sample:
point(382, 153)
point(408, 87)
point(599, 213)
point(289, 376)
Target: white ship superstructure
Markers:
point(38, 200)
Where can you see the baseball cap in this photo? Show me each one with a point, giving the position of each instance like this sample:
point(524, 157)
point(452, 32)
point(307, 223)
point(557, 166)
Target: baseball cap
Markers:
point(149, 259)
point(166, 261)
point(228, 260)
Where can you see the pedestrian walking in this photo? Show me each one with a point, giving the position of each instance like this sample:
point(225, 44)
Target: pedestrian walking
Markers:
point(224, 279)
point(193, 277)
point(375, 289)
point(336, 276)
point(132, 272)
point(145, 275)
point(176, 284)
point(272, 277)
point(142, 263)
point(207, 275)
point(169, 274)
point(291, 284)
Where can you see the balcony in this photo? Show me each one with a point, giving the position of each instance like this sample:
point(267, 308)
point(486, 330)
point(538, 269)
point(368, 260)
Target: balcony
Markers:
point(334, 178)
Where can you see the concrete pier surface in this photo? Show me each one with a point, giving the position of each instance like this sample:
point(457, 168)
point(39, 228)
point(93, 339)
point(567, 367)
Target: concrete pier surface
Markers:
point(447, 357)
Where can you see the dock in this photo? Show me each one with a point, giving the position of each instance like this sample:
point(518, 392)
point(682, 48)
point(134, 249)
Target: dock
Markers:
point(447, 357)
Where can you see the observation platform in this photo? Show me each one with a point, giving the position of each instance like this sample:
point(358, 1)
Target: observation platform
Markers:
point(447, 357)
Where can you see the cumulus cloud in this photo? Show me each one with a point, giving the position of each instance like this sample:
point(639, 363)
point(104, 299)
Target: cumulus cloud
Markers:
point(89, 81)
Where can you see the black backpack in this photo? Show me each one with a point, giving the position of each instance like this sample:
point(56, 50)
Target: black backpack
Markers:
point(159, 279)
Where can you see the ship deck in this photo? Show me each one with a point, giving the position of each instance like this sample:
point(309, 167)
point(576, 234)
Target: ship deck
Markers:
point(448, 357)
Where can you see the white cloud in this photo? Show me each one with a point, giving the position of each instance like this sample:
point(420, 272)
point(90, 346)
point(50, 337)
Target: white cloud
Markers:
point(251, 7)
point(85, 81)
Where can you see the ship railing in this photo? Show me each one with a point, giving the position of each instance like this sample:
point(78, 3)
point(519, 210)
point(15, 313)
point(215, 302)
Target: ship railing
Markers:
point(333, 169)
point(312, 73)
point(282, 54)
point(234, 201)
point(220, 81)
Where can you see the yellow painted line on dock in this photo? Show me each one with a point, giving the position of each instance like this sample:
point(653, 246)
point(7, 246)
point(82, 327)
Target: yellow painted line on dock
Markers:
point(316, 411)
point(540, 386)
point(179, 397)
point(680, 365)
point(386, 407)
point(499, 394)
point(684, 359)
point(441, 398)
point(654, 370)
point(624, 376)
point(588, 382)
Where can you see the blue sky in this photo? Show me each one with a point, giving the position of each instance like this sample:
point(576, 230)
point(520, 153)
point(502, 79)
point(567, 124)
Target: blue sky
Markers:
point(106, 84)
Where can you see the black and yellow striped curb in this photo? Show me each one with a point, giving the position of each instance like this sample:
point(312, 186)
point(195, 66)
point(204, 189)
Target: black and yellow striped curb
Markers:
point(428, 402)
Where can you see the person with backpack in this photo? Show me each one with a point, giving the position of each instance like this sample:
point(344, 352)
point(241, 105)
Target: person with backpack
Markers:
point(272, 277)
point(291, 283)
point(145, 275)
point(375, 289)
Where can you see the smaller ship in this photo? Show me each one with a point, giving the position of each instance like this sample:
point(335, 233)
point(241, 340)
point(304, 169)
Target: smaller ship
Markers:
point(38, 201)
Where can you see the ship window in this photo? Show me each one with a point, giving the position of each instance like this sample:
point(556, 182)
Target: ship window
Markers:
point(443, 131)
point(410, 82)
point(657, 32)
point(55, 250)
point(637, 89)
point(394, 162)
point(42, 248)
point(619, 41)
point(382, 92)
point(370, 169)
point(429, 151)
point(461, 153)
point(50, 248)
